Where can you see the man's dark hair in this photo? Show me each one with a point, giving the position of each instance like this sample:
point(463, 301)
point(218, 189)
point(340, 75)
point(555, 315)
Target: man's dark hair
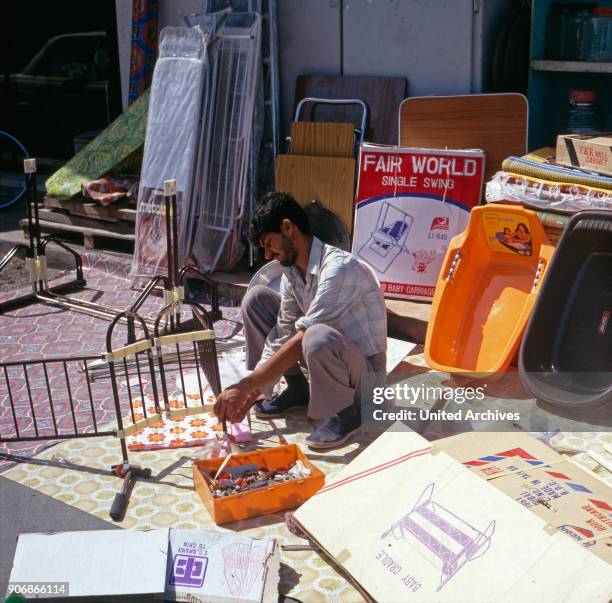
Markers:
point(272, 210)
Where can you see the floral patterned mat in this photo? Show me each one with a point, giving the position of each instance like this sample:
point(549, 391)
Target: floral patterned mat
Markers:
point(179, 431)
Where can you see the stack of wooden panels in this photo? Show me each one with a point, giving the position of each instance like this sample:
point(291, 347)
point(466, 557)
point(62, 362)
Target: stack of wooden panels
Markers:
point(87, 218)
point(320, 167)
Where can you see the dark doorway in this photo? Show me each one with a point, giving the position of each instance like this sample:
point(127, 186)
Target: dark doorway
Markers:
point(60, 73)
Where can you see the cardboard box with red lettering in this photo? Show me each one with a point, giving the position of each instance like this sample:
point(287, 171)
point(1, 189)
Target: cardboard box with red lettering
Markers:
point(410, 203)
point(572, 500)
point(593, 153)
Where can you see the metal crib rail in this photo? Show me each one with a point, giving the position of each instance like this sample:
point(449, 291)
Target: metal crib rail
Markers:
point(56, 398)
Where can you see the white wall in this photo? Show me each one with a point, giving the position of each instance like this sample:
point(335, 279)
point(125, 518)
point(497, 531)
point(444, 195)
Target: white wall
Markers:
point(309, 43)
point(171, 12)
point(440, 46)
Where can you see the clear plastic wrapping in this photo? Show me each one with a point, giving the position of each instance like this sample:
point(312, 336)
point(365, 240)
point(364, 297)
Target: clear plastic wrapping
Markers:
point(226, 179)
point(546, 195)
point(171, 144)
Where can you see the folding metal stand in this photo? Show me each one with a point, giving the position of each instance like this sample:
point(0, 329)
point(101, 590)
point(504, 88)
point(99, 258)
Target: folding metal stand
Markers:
point(262, 161)
point(222, 191)
point(35, 252)
point(313, 102)
point(37, 263)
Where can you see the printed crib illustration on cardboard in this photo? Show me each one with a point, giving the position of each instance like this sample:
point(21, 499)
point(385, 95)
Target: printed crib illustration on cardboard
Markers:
point(242, 565)
point(440, 535)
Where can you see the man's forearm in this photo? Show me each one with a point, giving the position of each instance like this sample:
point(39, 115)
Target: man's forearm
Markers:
point(288, 355)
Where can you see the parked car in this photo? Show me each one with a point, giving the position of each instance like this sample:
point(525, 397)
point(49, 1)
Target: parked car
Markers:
point(70, 86)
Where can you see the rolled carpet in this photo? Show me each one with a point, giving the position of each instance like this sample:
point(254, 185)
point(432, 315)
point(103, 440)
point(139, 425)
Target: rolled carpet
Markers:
point(537, 167)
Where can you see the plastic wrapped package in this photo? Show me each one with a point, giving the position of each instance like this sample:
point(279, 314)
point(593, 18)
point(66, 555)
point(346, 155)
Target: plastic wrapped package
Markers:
point(225, 182)
point(223, 445)
point(537, 166)
point(171, 145)
point(546, 195)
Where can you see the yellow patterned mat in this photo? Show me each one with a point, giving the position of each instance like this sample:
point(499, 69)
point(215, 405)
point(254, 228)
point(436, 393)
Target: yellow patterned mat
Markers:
point(76, 473)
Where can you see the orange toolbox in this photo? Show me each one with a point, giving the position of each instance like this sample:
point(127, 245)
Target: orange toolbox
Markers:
point(262, 501)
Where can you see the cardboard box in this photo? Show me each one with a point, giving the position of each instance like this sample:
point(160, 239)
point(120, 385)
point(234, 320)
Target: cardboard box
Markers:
point(207, 567)
point(410, 203)
point(593, 153)
point(570, 499)
point(170, 564)
point(410, 523)
point(102, 566)
point(278, 497)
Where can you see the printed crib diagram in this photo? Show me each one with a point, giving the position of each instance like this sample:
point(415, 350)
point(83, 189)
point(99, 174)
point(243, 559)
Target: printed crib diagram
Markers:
point(440, 535)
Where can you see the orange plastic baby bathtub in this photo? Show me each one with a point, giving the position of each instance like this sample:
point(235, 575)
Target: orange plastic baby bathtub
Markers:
point(486, 289)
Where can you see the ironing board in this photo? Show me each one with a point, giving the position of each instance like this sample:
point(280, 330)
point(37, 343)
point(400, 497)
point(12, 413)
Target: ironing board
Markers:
point(170, 145)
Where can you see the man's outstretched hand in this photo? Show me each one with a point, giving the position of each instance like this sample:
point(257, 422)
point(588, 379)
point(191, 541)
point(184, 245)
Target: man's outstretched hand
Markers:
point(234, 402)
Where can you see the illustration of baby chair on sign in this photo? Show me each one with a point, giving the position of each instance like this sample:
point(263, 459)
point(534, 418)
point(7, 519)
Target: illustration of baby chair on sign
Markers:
point(441, 536)
point(388, 240)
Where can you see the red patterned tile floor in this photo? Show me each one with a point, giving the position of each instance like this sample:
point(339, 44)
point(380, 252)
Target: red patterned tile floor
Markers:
point(42, 332)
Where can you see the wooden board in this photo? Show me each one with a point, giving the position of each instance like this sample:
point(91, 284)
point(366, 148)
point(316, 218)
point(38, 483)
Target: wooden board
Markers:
point(87, 233)
point(382, 95)
point(62, 217)
point(329, 180)
point(322, 139)
point(495, 123)
point(122, 210)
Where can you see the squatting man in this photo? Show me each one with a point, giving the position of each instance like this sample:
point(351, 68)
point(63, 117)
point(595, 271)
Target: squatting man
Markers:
point(329, 318)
